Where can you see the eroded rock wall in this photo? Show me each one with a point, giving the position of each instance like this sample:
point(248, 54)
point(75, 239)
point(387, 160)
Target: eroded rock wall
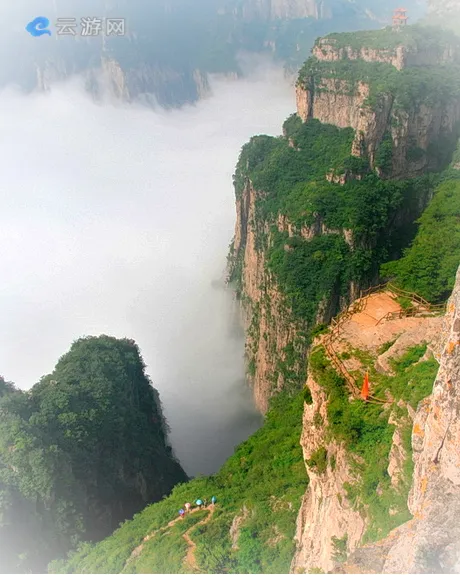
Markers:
point(325, 511)
point(430, 542)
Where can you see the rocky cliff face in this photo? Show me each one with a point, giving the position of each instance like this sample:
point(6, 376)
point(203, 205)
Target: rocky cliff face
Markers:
point(330, 524)
point(430, 542)
point(154, 84)
point(400, 55)
point(325, 511)
point(269, 330)
point(273, 337)
point(381, 120)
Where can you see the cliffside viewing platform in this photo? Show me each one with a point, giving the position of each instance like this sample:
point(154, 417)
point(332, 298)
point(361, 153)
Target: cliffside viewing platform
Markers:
point(374, 324)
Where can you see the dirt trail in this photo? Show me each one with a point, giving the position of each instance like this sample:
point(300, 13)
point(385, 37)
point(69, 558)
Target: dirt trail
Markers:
point(138, 550)
point(190, 559)
point(365, 331)
point(366, 325)
point(376, 307)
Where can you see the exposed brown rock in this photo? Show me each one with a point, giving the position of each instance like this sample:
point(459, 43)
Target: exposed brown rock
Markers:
point(268, 321)
point(235, 527)
point(430, 543)
point(345, 104)
point(325, 511)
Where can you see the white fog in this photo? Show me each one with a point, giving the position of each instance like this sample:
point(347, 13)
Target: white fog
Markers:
point(116, 220)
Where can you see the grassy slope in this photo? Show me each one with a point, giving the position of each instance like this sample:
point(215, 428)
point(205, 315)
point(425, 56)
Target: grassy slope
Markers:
point(266, 474)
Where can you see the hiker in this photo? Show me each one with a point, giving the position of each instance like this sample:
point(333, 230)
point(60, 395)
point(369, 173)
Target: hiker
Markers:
point(213, 500)
point(205, 502)
point(187, 507)
point(199, 503)
point(181, 513)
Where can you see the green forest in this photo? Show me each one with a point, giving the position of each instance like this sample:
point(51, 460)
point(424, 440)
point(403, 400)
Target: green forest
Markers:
point(293, 181)
point(264, 480)
point(81, 451)
point(417, 36)
point(429, 265)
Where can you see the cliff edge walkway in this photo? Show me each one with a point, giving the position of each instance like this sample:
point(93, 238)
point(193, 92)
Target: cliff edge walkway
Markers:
point(382, 303)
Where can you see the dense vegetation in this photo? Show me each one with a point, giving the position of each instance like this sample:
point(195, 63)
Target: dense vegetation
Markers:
point(290, 173)
point(263, 482)
point(365, 431)
point(84, 449)
point(429, 266)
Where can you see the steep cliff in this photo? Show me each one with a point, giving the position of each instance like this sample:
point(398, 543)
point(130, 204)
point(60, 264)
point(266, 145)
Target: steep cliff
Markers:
point(315, 221)
point(272, 344)
point(322, 207)
point(326, 514)
point(83, 450)
point(398, 91)
point(284, 9)
point(358, 454)
point(430, 542)
point(106, 76)
point(154, 84)
point(321, 9)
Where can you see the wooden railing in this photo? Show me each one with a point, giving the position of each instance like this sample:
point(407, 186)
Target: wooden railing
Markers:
point(421, 306)
point(336, 325)
point(430, 308)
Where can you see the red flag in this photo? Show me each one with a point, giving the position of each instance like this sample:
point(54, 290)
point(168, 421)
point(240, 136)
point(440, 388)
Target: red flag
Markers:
point(365, 388)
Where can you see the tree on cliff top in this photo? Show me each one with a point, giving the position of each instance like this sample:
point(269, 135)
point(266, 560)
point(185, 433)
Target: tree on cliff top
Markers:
point(84, 449)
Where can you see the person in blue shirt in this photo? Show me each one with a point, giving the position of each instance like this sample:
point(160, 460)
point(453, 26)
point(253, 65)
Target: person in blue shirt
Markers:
point(213, 500)
point(199, 503)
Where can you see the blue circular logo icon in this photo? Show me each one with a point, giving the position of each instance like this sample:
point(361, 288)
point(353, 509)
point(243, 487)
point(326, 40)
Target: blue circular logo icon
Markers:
point(38, 26)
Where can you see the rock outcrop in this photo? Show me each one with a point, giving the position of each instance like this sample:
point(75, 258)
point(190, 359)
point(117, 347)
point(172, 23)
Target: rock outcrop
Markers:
point(329, 524)
point(430, 542)
point(268, 329)
point(400, 56)
point(406, 133)
point(325, 511)
point(150, 83)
